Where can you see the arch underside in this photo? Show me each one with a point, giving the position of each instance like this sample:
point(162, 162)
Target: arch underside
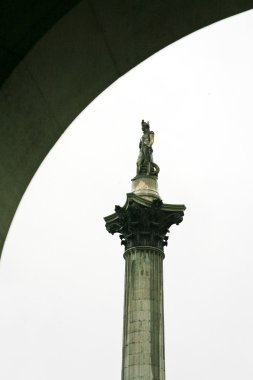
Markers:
point(58, 56)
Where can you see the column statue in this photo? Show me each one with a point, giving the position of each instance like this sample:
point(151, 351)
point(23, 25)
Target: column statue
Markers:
point(145, 164)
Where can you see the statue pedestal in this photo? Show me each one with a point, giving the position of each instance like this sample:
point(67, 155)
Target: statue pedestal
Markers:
point(145, 186)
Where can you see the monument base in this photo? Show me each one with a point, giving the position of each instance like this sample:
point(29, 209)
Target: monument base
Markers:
point(145, 186)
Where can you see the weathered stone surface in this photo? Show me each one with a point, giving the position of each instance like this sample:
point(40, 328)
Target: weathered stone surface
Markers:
point(145, 186)
point(143, 337)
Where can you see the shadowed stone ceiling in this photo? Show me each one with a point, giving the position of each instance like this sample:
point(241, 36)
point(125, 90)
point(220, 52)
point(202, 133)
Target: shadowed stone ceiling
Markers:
point(57, 56)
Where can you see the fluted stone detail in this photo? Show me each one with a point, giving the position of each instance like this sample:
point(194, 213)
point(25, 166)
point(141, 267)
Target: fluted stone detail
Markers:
point(143, 337)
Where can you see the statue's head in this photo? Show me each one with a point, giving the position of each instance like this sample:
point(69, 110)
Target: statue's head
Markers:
point(145, 126)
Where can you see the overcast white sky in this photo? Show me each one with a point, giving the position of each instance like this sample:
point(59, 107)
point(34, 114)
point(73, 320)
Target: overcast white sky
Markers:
point(62, 274)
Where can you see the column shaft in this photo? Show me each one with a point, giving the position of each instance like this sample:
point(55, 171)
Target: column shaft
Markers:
point(143, 335)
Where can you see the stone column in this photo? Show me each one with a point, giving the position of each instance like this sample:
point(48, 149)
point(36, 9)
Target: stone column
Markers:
point(143, 223)
point(143, 337)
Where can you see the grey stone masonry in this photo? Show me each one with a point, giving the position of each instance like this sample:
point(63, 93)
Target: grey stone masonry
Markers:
point(143, 336)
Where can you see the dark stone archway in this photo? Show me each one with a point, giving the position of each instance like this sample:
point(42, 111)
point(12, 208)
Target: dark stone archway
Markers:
point(57, 56)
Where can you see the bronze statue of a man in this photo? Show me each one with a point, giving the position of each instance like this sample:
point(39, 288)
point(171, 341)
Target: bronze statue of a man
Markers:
point(145, 159)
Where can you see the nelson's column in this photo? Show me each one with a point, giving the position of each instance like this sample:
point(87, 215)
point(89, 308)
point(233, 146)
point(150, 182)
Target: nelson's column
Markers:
point(143, 223)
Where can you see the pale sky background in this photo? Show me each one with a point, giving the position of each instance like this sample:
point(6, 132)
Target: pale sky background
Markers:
point(62, 274)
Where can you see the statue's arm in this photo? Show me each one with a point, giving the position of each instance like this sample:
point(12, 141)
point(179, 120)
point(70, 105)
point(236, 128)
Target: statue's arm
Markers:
point(151, 138)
